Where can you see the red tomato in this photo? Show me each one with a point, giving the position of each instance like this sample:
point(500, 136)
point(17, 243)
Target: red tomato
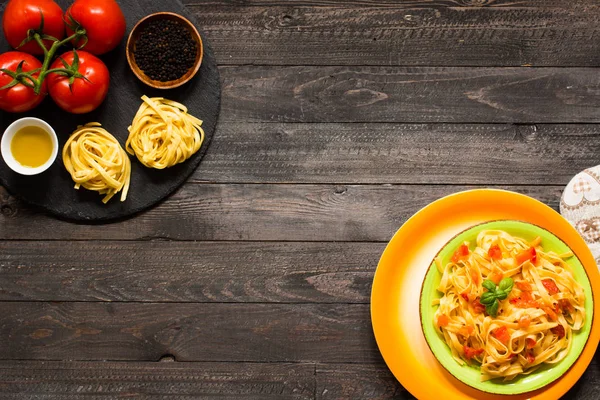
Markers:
point(478, 308)
point(524, 321)
point(530, 357)
point(470, 352)
point(19, 98)
point(550, 286)
point(462, 251)
point(103, 21)
point(558, 330)
point(22, 15)
point(530, 343)
point(443, 320)
point(496, 277)
point(525, 255)
point(84, 95)
point(523, 286)
point(495, 253)
point(502, 334)
point(525, 300)
point(565, 305)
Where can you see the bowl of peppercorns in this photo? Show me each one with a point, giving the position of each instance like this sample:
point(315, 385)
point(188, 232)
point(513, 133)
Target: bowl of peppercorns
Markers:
point(164, 50)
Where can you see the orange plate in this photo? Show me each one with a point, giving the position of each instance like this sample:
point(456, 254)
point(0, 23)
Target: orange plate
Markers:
point(402, 268)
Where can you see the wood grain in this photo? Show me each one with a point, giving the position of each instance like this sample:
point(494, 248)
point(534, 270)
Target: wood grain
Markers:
point(363, 213)
point(189, 332)
point(153, 380)
point(161, 271)
point(434, 33)
point(70, 380)
point(400, 153)
point(358, 381)
point(404, 94)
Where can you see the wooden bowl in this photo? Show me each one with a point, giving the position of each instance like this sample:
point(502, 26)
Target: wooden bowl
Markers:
point(134, 36)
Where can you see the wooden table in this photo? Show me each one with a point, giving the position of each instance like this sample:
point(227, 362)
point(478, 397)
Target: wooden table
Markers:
point(340, 119)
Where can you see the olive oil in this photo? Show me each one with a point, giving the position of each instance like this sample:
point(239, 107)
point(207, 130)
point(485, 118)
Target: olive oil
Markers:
point(31, 146)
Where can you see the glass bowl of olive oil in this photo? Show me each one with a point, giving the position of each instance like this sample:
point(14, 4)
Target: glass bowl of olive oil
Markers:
point(29, 146)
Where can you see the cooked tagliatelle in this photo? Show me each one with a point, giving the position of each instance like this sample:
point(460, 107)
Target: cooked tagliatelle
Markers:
point(163, 134)
point(508, 305)
point(96, 161)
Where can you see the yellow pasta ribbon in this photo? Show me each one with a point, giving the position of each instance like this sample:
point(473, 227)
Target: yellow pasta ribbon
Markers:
point(96, 161)
point(163, 134)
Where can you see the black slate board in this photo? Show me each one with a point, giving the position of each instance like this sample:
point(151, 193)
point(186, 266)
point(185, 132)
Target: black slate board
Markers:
point(53, 190)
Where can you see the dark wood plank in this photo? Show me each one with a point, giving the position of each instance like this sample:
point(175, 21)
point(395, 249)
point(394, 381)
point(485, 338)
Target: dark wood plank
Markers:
point(358, 381)
point(189, 332)
point(443, 33)
point(363, 213)
point(188, 271)
point(400, 153)
point(402, 94)
point(93, 380)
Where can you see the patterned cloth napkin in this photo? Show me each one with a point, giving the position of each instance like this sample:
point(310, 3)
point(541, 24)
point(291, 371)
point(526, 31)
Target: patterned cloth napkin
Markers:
point(580, 205)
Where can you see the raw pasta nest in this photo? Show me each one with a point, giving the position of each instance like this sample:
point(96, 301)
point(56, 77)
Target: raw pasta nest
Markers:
point(96, 161)
point(163, 134)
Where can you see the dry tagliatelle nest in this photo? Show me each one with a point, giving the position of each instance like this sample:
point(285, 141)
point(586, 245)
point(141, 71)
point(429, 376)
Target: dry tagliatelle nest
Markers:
point(163, 134)
point(96, 161)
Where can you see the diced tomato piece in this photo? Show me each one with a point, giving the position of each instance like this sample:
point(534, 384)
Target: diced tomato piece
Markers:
point(523, 286)
point(496, 277)
point(551, 314)
point(495, 253)
point(530, 343)
point(525, 300)
point(550, 286)
point(475, 278)
point(465, 296)
point(502, 334)
point(558, 330)
point(530, 357)
point(443, 320)
point(470, 352)
point(565, 305)
point(557, 309)
point(524, 321)
point(526, 255)
point(466, 331)
point(478, 308)
point(462, 251)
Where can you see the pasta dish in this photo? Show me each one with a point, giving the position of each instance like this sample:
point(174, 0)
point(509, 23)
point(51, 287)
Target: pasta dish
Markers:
point(508, 305)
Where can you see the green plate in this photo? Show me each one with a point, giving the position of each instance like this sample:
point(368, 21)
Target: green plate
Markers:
point(470, 374)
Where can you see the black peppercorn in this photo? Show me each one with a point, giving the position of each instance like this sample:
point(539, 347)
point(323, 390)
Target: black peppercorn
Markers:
point(165, 50)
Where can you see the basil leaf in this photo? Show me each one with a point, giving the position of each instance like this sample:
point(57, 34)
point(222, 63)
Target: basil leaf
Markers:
point(489, 285)
point(492, 309)
point(506, 285)
point(487, 298)
point(500, 295)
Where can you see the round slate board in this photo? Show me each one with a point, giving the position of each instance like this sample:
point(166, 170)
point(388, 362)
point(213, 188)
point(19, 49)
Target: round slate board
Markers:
point(53, 190)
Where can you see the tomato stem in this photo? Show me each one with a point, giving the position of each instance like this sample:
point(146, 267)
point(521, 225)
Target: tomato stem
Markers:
point(49, 55)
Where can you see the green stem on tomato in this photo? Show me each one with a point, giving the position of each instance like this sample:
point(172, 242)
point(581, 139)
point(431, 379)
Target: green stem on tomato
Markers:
point(49, 57)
